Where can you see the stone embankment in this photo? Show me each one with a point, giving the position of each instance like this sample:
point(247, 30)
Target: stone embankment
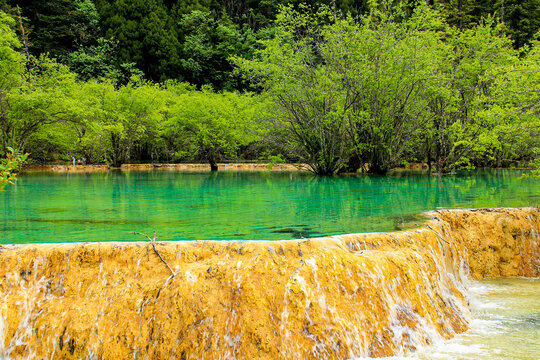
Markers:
point(339, 297)
point(164, 167)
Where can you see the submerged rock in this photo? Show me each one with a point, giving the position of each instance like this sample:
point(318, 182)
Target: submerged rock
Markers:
point(339, 297)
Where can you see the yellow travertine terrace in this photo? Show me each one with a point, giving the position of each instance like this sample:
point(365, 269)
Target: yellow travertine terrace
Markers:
point(339, 297)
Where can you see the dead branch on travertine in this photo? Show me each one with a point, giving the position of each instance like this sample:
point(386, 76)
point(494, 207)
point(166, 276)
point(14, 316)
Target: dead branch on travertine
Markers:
point(153, 242)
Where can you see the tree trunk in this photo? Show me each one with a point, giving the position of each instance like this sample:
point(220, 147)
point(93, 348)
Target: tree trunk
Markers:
point(116, 151)
point(429, 159)
point(376, 168)
point(116, 162)
point(334, 11)
point(441, 166)
point(352, 165)
point(23, 35)
point(87, 156)
point(213, 163)
point(379, 163)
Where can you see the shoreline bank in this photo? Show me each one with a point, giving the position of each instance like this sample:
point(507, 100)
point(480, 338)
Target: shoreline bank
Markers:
point(59, 168)
point(33, 168)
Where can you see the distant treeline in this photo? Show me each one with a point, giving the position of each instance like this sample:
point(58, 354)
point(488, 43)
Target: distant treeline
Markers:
point(193, 40)
point(335, 84)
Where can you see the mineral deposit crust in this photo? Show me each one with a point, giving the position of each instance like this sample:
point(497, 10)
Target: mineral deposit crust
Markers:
point(339, 297)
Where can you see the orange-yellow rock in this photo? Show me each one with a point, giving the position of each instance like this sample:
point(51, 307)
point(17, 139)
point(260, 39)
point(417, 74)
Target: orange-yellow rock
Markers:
point(328, 298)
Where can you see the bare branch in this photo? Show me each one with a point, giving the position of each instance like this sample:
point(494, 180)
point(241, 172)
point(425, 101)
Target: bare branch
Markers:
point(153, 243)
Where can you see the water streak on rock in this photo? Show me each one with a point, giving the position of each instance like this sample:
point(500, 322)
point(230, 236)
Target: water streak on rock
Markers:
point(339, 297)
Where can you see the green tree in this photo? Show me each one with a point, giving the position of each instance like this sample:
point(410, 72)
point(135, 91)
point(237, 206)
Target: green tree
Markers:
point(97, 122)
point(57, 27)
point(458, 13)
point(11, 71)
point(521, 19)
point(121, 120)
point(386, 67)
point(207, 47)
point(9, 167)
point(514, 106)
point(29, 98)
point(458, 133)
point(308, 104)
point(99, 61)
point(210, 126)
point(348, 92)
point(43, 98)
point(146, 35)
point(80, 134)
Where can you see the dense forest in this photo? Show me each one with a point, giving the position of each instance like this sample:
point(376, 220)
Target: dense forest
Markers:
point(336, 84)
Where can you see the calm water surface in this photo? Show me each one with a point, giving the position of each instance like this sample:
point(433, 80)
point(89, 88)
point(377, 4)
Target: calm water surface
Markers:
point(240, 205)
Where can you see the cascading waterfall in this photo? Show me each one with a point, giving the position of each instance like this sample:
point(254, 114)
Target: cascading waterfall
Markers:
point(347, 296)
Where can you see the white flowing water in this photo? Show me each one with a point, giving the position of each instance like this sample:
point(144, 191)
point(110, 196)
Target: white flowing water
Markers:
point(505, 325)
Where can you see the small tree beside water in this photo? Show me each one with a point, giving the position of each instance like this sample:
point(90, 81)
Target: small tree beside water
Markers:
point(204, 125)
point(9, 167)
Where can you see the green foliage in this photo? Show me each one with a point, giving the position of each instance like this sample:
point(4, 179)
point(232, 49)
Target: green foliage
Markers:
point(387, 71)
point(208, 44)
point(141, 120)
point(459, 133)
point(9, 166)
point(11, 70)
point(146, 35)
point(307, 102)
point(210, 126)
point(57, 27)
point(11, 61)
point(521, 18)
point(459, 13)
point(273, 160)
point(29, 99)
point(335, 89)
point(114, 122)
point(112, 125)
point(345, 94)
point(192, 40)
point(45, 97)
point(98, 62)
point(514, 109)
point(349, 90)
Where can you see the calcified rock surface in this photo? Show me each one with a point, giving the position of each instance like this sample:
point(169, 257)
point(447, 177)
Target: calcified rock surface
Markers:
point(163, 167)
point(330, 298)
